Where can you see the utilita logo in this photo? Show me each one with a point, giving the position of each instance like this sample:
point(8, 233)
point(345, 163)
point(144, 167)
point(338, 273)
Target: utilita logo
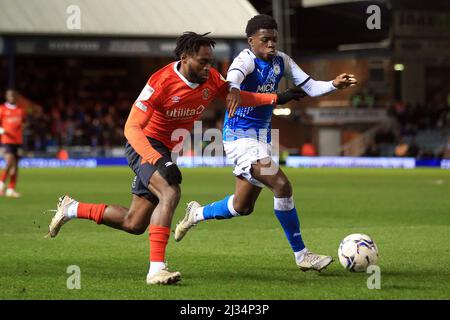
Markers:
point(185, 112)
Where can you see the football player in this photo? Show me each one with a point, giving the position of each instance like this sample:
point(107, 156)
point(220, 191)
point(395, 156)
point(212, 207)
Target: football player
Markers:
point(246, 138)
point(12, 118)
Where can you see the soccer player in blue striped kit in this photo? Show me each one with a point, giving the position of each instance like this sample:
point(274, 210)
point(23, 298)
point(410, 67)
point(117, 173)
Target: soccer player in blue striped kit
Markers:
point(247, 140)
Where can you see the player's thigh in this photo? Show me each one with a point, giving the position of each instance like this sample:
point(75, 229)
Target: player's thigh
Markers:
point(245, 195)
point(166, 193)
point(9, 156)
point(9, 159)
point(271, 175)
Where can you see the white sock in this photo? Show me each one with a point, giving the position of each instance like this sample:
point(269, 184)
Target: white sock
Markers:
point(299, 255)
point(155, 266)
point(233, 212)
point(72, 210)
point(284, 204)
point(198, 215)
point(2, 185)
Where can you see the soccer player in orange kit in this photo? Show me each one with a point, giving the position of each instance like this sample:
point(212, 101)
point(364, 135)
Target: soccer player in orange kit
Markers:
point(11, 130)
point(173, 98)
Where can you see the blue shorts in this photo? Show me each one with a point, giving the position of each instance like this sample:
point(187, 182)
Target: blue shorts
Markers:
point(144, 170)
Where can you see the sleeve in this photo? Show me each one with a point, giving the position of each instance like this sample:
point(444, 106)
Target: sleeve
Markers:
point(252, 99)
point(292, 71)
point(318, 88)
point(1, 115)
point(241, 66)
point(313, 88)
point(141, 112)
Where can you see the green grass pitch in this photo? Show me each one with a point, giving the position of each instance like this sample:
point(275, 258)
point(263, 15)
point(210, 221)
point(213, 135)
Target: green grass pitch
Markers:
point(407, 212)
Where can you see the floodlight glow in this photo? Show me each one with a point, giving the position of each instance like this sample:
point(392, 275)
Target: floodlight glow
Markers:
point(399, 67)
point(282, 111)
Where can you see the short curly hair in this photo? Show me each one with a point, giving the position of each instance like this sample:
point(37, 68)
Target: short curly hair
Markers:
point(261, 21)
point(189, 42)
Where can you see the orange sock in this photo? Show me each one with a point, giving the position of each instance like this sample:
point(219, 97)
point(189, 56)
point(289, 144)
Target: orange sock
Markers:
point(91, 211)
point(12, 181)
point(159, 237)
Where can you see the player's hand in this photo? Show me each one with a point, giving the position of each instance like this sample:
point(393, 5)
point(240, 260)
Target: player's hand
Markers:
point(2, 131)
point(294, 93)
point(232, 101)
point(169, 171)
point(344, 80)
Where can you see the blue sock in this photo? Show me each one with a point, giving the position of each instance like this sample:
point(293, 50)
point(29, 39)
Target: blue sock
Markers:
point(222, 209)
point(288, 218)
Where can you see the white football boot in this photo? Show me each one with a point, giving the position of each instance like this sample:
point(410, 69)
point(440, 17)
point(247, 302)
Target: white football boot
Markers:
point(164, 276)
point(312, 261)
point(187, 222)
point(60, 216)
point(11, 193)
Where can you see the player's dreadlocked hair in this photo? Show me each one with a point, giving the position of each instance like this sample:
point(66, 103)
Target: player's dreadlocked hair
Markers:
point(190, 42)
point(261, 21)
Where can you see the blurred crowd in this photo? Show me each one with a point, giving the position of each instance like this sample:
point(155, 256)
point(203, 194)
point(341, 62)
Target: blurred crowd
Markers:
point(414, 131)
point(74, 124)
point(87, 101)
point(80, 106)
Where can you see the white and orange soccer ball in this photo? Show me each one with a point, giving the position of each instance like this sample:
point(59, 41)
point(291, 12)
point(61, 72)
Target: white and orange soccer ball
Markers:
point(357, 252)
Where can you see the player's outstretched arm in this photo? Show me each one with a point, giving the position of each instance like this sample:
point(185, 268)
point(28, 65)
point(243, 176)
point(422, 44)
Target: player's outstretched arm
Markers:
point(316, 88)
point(251, 99)
point(237, 98)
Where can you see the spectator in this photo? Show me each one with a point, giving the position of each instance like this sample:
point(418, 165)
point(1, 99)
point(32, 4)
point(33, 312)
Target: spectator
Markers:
point(308, 150)
point(401, 150)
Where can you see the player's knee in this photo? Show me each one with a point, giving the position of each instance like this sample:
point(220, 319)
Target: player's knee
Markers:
point(135, 228)
point(283, 188)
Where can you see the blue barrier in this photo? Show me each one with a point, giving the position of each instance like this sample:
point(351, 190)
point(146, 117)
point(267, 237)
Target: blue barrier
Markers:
point(111, 162)
point(428, 163)
point(291, 161)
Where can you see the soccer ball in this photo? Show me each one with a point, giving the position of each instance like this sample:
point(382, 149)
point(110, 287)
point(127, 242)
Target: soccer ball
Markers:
point(357, 251)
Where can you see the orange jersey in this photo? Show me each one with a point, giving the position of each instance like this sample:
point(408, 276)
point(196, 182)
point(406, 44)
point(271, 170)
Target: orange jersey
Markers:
point(169, 102)
point(11, 120)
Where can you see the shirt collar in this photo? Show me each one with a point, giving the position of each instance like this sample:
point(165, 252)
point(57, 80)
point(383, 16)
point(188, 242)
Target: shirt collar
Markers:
point(10, 106)
point(192, 85)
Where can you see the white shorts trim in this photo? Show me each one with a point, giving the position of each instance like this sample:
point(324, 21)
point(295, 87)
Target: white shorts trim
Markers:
point(245, 152)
